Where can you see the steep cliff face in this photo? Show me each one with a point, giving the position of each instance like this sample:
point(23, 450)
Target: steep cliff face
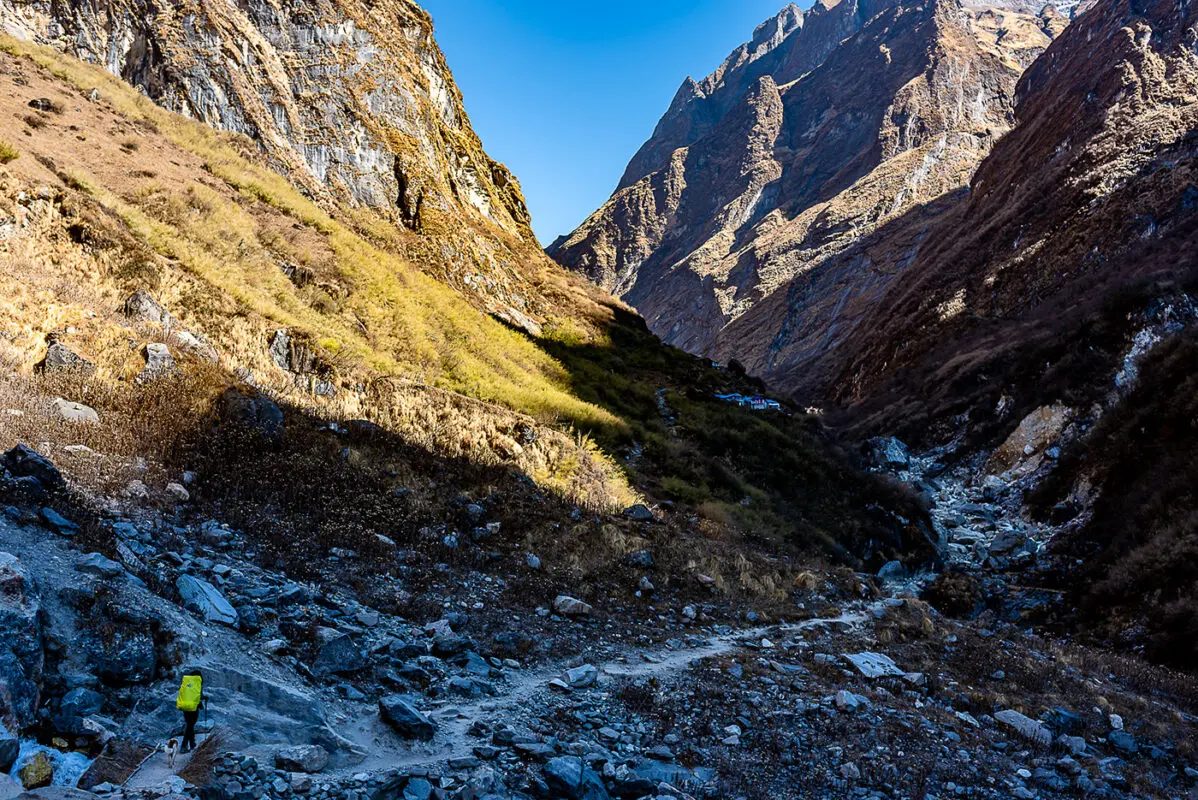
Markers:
point(1080, 218)
point(352, 101)
point(824, 128)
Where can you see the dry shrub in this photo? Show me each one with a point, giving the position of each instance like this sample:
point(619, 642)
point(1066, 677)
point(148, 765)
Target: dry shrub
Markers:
point(200, 768)
point(954, 594)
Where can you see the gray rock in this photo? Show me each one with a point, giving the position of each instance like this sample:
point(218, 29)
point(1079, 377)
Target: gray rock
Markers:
point(418, 789)
point(568, 776)
point(582, 677)
point(888, 453)
point(58, 522)
point(82, 701)
point(408, 722)
point(256, 413)
point(60, 359)
point(639, 513)
point(1124, 742)
point(204, 599)
point(302, 758)
point(1026, 726)
point(22, 660)
point(874, 665)
point(141, 305)
point(69, 411)
point(893, 571)
point(571, 607)
point(10, 748)
point(25, 462)
point(339, 655)
point(159, 362)
point(124, 658)
point(98, 565)
point(641, 558)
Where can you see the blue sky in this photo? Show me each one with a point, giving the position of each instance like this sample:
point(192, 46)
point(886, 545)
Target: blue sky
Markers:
point(565, 92)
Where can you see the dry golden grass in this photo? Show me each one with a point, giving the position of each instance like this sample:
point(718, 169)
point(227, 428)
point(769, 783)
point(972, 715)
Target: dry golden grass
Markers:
point(396, 320)
point(191, 215)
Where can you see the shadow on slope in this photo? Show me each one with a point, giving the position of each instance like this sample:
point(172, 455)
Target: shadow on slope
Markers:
point(780, 477)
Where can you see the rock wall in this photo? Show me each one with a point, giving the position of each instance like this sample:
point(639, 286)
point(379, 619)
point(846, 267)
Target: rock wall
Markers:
point(829, 125)
point(352, 101)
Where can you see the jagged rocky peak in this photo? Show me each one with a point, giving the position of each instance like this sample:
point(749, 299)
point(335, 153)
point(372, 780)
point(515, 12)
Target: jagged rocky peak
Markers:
point(351, 99)
point(882, 107)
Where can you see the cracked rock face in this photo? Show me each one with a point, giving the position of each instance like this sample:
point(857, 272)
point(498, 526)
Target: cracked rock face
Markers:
point(729, 225)
point(351, 100)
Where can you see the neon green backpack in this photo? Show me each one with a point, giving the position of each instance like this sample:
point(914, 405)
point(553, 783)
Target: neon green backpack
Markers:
point(190, 693)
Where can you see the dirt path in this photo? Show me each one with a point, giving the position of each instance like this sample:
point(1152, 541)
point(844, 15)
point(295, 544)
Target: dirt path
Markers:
point(155, 771)
point(524, 688)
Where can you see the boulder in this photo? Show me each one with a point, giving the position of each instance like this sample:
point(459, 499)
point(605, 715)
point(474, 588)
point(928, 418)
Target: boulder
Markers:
point(81, 701)
point(874, 665)
point(10, 748)
point(10, 787)
point(22, 461)
point(1027, 442)
point(303, 758)
point(58, 522)
point(159, 362)
point(253, 412)
point(1123, 741)
point(571, 607)
point(639, 513)
point(418, 789)
point(568, 776)
point(37, 772)
point(398, 712)
point(22, 658)
point(70, 411)
point(127, 657)
point(99, 566)
point(141, 305)
point(892, 571)
point(204, 599)
point(1025, 726)
point(582, 677)
point(886, 452)
point(641, 558)
point(338, 655)
point(60, 359)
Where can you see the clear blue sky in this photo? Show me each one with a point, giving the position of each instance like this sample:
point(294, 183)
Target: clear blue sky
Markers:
point(565, 92)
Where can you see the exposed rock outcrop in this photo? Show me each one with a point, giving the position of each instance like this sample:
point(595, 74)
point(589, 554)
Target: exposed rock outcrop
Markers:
point(730, 230)
point(352, 101)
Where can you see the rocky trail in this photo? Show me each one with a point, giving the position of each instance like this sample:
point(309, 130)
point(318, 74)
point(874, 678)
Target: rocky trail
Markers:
point(529, 688)
point(324, 697)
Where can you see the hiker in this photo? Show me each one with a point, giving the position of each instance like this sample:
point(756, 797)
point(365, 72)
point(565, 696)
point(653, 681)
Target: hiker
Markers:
point(189, 701)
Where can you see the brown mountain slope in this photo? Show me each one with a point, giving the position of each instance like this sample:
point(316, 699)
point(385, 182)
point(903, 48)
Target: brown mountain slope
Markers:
point(352, 101)
point(1081, 216)
point(839, 136)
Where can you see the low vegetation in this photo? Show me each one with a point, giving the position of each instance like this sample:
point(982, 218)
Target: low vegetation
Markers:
point(595, 411)
point(1136, 581)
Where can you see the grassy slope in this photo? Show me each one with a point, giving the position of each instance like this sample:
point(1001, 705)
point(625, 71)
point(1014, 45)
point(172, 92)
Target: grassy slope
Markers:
point(414, 324)
point(196, 202)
